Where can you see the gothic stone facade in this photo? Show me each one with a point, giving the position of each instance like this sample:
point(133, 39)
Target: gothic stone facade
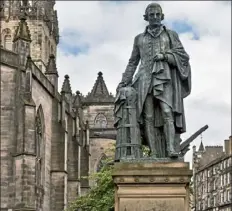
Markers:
point(213, 177)
point(98, 112)
point(43, 24)
point(49, 139)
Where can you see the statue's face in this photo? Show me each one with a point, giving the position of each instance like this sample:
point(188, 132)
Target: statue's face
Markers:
point(154, 15)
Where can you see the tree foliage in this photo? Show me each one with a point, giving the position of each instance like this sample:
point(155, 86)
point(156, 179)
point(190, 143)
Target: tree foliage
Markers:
point(101, 196)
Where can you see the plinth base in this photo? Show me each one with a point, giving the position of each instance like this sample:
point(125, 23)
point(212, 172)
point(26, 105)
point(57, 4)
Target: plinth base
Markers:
point(152, 186)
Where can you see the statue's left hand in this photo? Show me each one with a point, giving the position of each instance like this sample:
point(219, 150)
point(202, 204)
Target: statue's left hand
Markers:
point(158, 57)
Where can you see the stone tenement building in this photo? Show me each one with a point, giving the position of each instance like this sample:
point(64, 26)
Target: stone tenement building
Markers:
point(49, 139)
point(212, 177)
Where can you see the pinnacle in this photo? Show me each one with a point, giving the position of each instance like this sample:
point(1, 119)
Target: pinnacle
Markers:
point(66, 88)
point(77, 99)
point(99, 87)
point(51, 67)
point(201, 148)
point(22, 31)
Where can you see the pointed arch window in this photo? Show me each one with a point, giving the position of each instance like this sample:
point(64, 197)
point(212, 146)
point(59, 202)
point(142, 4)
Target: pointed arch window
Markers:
point(101, 162)
point(51, 50)
point(39, 122)
point(100, 121)
point(46, 48)
point(66, 143)
point(7, 39)
point(7, 42)
point(39, 137)
point(40, 157)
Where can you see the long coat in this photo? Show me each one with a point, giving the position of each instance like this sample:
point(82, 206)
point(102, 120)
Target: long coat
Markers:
point(154, 76)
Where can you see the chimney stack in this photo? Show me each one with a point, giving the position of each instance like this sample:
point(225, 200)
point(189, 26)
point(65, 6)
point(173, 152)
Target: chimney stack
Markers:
point(228, 146)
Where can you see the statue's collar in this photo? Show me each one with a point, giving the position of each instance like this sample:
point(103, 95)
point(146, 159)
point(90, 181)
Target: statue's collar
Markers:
point(154, 32)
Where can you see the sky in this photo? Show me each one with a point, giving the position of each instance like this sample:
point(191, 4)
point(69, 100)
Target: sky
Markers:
point(98, 36)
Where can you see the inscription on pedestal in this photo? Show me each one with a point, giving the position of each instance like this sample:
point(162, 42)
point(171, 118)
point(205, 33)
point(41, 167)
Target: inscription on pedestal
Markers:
point(152, 205)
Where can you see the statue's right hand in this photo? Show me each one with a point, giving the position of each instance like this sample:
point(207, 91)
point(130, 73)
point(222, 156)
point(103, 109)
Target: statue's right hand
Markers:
point(120, 85)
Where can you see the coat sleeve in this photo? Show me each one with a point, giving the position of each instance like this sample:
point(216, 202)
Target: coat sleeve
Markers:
point(132, 64)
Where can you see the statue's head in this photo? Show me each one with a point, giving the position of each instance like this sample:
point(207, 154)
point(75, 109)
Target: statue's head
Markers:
point(154, 14)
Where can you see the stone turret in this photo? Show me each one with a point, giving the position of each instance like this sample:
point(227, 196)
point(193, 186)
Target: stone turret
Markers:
point(22, 41)
point(51, 71)
point(228, 146)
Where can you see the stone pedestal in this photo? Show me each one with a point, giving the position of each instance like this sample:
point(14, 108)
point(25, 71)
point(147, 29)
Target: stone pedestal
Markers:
point(153, 186)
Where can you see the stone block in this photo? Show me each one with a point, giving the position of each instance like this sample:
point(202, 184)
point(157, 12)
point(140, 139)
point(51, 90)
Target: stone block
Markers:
point(153, 186)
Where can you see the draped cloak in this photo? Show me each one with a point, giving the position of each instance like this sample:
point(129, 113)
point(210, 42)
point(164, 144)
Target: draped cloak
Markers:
point(166, 82)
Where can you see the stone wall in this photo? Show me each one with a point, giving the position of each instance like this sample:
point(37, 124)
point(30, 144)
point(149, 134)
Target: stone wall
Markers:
point(99, 146)
point(43, 99)
point(8, 139)
point(91, 112)
point(58, 180)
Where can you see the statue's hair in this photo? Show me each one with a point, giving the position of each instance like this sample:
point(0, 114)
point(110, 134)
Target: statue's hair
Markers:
point(152, 5)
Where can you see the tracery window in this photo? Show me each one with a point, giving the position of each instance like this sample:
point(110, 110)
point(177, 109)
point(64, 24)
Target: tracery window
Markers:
point(100, 121)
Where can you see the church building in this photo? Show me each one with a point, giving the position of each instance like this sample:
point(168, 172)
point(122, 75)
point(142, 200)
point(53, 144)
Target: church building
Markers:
point(50, 139)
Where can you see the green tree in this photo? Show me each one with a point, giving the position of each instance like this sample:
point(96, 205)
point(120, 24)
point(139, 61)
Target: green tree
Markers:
point(101, 196)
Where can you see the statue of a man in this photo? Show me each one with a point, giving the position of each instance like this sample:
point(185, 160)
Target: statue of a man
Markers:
point(162, 82)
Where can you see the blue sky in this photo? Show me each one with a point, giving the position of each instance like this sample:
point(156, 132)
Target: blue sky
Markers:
point(183, 27)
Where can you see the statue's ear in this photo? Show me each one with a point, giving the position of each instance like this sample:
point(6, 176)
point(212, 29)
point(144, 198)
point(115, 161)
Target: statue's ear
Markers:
point(162, 17)
point(145, 17)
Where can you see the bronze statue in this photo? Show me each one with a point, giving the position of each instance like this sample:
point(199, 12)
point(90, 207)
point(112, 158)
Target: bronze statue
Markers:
point(162, 82)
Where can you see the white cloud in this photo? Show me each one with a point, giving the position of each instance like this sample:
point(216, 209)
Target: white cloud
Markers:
point(109, 29)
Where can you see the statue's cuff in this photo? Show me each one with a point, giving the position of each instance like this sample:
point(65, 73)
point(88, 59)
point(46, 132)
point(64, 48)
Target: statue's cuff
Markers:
point(165, 56)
